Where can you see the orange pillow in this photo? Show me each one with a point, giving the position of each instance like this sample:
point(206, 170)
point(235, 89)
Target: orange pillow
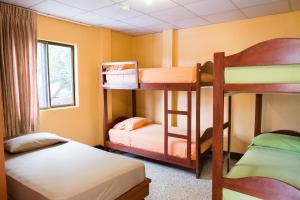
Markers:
point(132, 123)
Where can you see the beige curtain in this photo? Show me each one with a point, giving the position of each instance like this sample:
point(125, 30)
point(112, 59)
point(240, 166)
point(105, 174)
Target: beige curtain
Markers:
point(18, 69)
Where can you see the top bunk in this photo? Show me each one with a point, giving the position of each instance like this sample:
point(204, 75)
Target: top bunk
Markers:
point(128, 75)
point(269, 66)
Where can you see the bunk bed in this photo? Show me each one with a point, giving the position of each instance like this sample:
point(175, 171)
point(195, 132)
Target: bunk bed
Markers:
point(272, 66)
point(182, 147)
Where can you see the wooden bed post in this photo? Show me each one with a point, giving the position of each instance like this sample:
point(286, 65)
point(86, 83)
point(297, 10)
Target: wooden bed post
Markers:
point(229, 132)
point(218, 119)
point(105, 117)
point(133, 99)
point(166, 122)
point(189, 126)
point(258, 114)
point(198, 122)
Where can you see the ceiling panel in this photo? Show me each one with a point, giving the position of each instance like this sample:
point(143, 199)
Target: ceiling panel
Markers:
point(250, 3)
point(147, 6)
point(188, 23)
point(117, 25)
point(267, 9)
point(147, 16)
point(161, 27)
point(174, 14)
point(87, 4)
point(117, 12)
point(93, 19)
point(143, 21)
point(185, 2)
point(225, 17)
point(295, 4)
point(56, 9)
point(27, 3)
point(207, 7)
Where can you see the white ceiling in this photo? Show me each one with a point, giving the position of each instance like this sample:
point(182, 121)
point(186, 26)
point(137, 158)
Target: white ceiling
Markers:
point(136, 17)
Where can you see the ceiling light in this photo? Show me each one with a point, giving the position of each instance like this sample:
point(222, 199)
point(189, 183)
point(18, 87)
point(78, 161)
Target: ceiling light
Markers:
point(148, 2)
point(125, 7)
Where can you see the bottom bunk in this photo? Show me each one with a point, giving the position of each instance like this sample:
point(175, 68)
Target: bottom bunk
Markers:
point(151, 138)
point(272, 157)
point(148, 140)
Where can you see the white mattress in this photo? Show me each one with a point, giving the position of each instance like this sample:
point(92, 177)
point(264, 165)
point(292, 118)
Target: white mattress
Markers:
point(71, 171)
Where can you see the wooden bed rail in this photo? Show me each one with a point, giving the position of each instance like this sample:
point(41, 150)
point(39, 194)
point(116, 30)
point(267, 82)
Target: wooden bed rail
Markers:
point(262, 187)
point(281, 51)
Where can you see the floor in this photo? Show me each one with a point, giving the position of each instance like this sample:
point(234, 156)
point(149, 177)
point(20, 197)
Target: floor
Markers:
point(172, 183)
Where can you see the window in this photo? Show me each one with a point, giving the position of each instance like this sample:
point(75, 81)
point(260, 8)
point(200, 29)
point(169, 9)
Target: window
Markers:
point(55, 74)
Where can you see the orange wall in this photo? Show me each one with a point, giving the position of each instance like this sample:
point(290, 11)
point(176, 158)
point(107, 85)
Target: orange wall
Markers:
point(198, 45)
point(183, 47)
point(82, 122)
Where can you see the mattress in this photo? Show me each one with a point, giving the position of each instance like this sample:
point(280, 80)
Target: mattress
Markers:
point(71, 171)
point(151, 138)
point(263, 74)
point(264, 162)
point(158, 75)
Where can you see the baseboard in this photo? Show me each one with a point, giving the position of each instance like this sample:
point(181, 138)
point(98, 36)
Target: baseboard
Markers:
point(99, 147)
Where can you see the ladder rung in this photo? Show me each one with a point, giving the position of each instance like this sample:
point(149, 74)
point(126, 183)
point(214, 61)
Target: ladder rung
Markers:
point(177, 112)
point(177, 135)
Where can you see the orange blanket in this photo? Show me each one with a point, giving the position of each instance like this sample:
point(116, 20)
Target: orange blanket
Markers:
point(160, 75)
point(151, 138)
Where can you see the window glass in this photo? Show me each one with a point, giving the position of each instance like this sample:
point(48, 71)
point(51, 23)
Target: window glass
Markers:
point(55, 74)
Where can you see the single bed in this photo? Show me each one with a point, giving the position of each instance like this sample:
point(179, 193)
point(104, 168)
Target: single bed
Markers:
point(73, 171)
point(151, 138)
point(259, 161)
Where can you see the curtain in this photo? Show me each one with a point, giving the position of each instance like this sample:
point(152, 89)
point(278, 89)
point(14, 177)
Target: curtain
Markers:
point(18, 69)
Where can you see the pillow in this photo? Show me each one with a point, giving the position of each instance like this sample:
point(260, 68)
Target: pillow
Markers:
point(32, 141)
point(132, 123)
point(279, 141)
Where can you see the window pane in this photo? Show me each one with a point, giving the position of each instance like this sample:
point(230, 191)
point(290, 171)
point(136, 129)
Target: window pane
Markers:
point(61, 75)
point(42, 75)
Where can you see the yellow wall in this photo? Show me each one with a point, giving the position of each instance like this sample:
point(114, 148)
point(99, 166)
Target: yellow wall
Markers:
point(198, 45)
point(80, 123)
point(121, 50)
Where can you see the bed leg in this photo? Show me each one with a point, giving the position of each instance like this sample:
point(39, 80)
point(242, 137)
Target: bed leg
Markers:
point(199, 168)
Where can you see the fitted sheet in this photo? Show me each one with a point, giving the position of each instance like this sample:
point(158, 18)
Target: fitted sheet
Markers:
point(159, 75)
point(151, 138)
point(71, 171)
point(263, 74)
point(266, 162)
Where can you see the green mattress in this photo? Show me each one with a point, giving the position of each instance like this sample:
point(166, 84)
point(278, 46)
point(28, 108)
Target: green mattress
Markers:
point(266, 162)
point(263, 74)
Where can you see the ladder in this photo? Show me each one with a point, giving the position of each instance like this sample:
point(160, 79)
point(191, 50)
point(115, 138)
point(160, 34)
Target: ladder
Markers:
point(187, 113)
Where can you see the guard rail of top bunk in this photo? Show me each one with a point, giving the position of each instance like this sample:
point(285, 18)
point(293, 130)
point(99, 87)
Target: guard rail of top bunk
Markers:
point(283, 51)
point(205, 68)
point(166, 87)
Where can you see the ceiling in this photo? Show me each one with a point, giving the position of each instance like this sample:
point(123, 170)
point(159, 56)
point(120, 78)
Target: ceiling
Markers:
point(137, 17)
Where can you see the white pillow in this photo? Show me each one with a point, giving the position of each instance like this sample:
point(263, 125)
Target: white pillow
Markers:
point(32, 141)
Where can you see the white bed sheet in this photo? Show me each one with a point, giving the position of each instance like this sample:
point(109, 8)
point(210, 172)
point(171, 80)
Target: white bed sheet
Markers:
point(71, 171)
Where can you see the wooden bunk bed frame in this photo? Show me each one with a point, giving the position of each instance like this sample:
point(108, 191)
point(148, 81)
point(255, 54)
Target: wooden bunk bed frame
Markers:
point(271, 52)
point(166, 87)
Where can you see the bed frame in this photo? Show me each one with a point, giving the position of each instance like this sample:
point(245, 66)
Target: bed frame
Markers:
point(166, 87)
point(139, 192)
point(272, 52)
